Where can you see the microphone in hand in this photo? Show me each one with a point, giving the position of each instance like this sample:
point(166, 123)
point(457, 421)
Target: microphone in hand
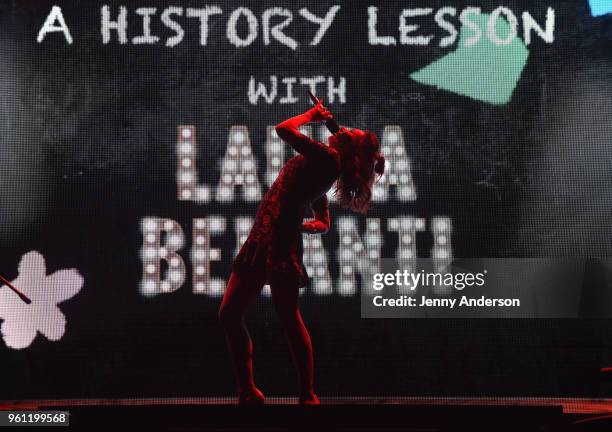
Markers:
point(331, 124)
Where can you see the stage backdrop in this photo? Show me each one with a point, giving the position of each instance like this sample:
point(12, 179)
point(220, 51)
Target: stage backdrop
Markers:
point(137, 141)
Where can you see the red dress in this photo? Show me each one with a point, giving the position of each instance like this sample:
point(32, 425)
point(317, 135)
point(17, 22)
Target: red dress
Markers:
point(274, 244)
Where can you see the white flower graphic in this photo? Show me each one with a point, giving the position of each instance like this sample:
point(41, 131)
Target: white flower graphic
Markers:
point(21, 320)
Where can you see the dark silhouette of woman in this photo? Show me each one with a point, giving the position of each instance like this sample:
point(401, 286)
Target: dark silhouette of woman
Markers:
point(273, 250)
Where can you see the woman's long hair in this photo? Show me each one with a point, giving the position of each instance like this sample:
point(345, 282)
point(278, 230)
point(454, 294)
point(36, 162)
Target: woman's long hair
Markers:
point(361, 161)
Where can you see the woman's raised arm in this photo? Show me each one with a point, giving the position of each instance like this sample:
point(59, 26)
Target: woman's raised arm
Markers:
point(289, 131)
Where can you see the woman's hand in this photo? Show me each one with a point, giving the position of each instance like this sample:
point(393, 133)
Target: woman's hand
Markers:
point(319, 113)
point(314, 227)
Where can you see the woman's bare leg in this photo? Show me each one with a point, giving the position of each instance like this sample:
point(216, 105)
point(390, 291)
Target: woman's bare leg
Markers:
point(239, 294)
point(285, 298)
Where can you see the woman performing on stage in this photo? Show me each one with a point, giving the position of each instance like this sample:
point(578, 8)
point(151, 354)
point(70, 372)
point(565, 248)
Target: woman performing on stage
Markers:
point(273, 250)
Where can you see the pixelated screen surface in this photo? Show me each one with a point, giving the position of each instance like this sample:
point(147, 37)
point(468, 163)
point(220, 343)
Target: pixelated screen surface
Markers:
point(138, 140)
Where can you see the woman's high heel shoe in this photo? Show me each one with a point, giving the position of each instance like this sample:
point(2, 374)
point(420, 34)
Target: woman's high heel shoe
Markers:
point(253, 397)
point(309, 400)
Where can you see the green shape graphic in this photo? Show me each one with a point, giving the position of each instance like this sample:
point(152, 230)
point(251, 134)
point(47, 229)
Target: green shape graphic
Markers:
point(484, 71)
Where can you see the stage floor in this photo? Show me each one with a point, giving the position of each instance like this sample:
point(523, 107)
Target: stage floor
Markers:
point(364, 414)
point(568, 405)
